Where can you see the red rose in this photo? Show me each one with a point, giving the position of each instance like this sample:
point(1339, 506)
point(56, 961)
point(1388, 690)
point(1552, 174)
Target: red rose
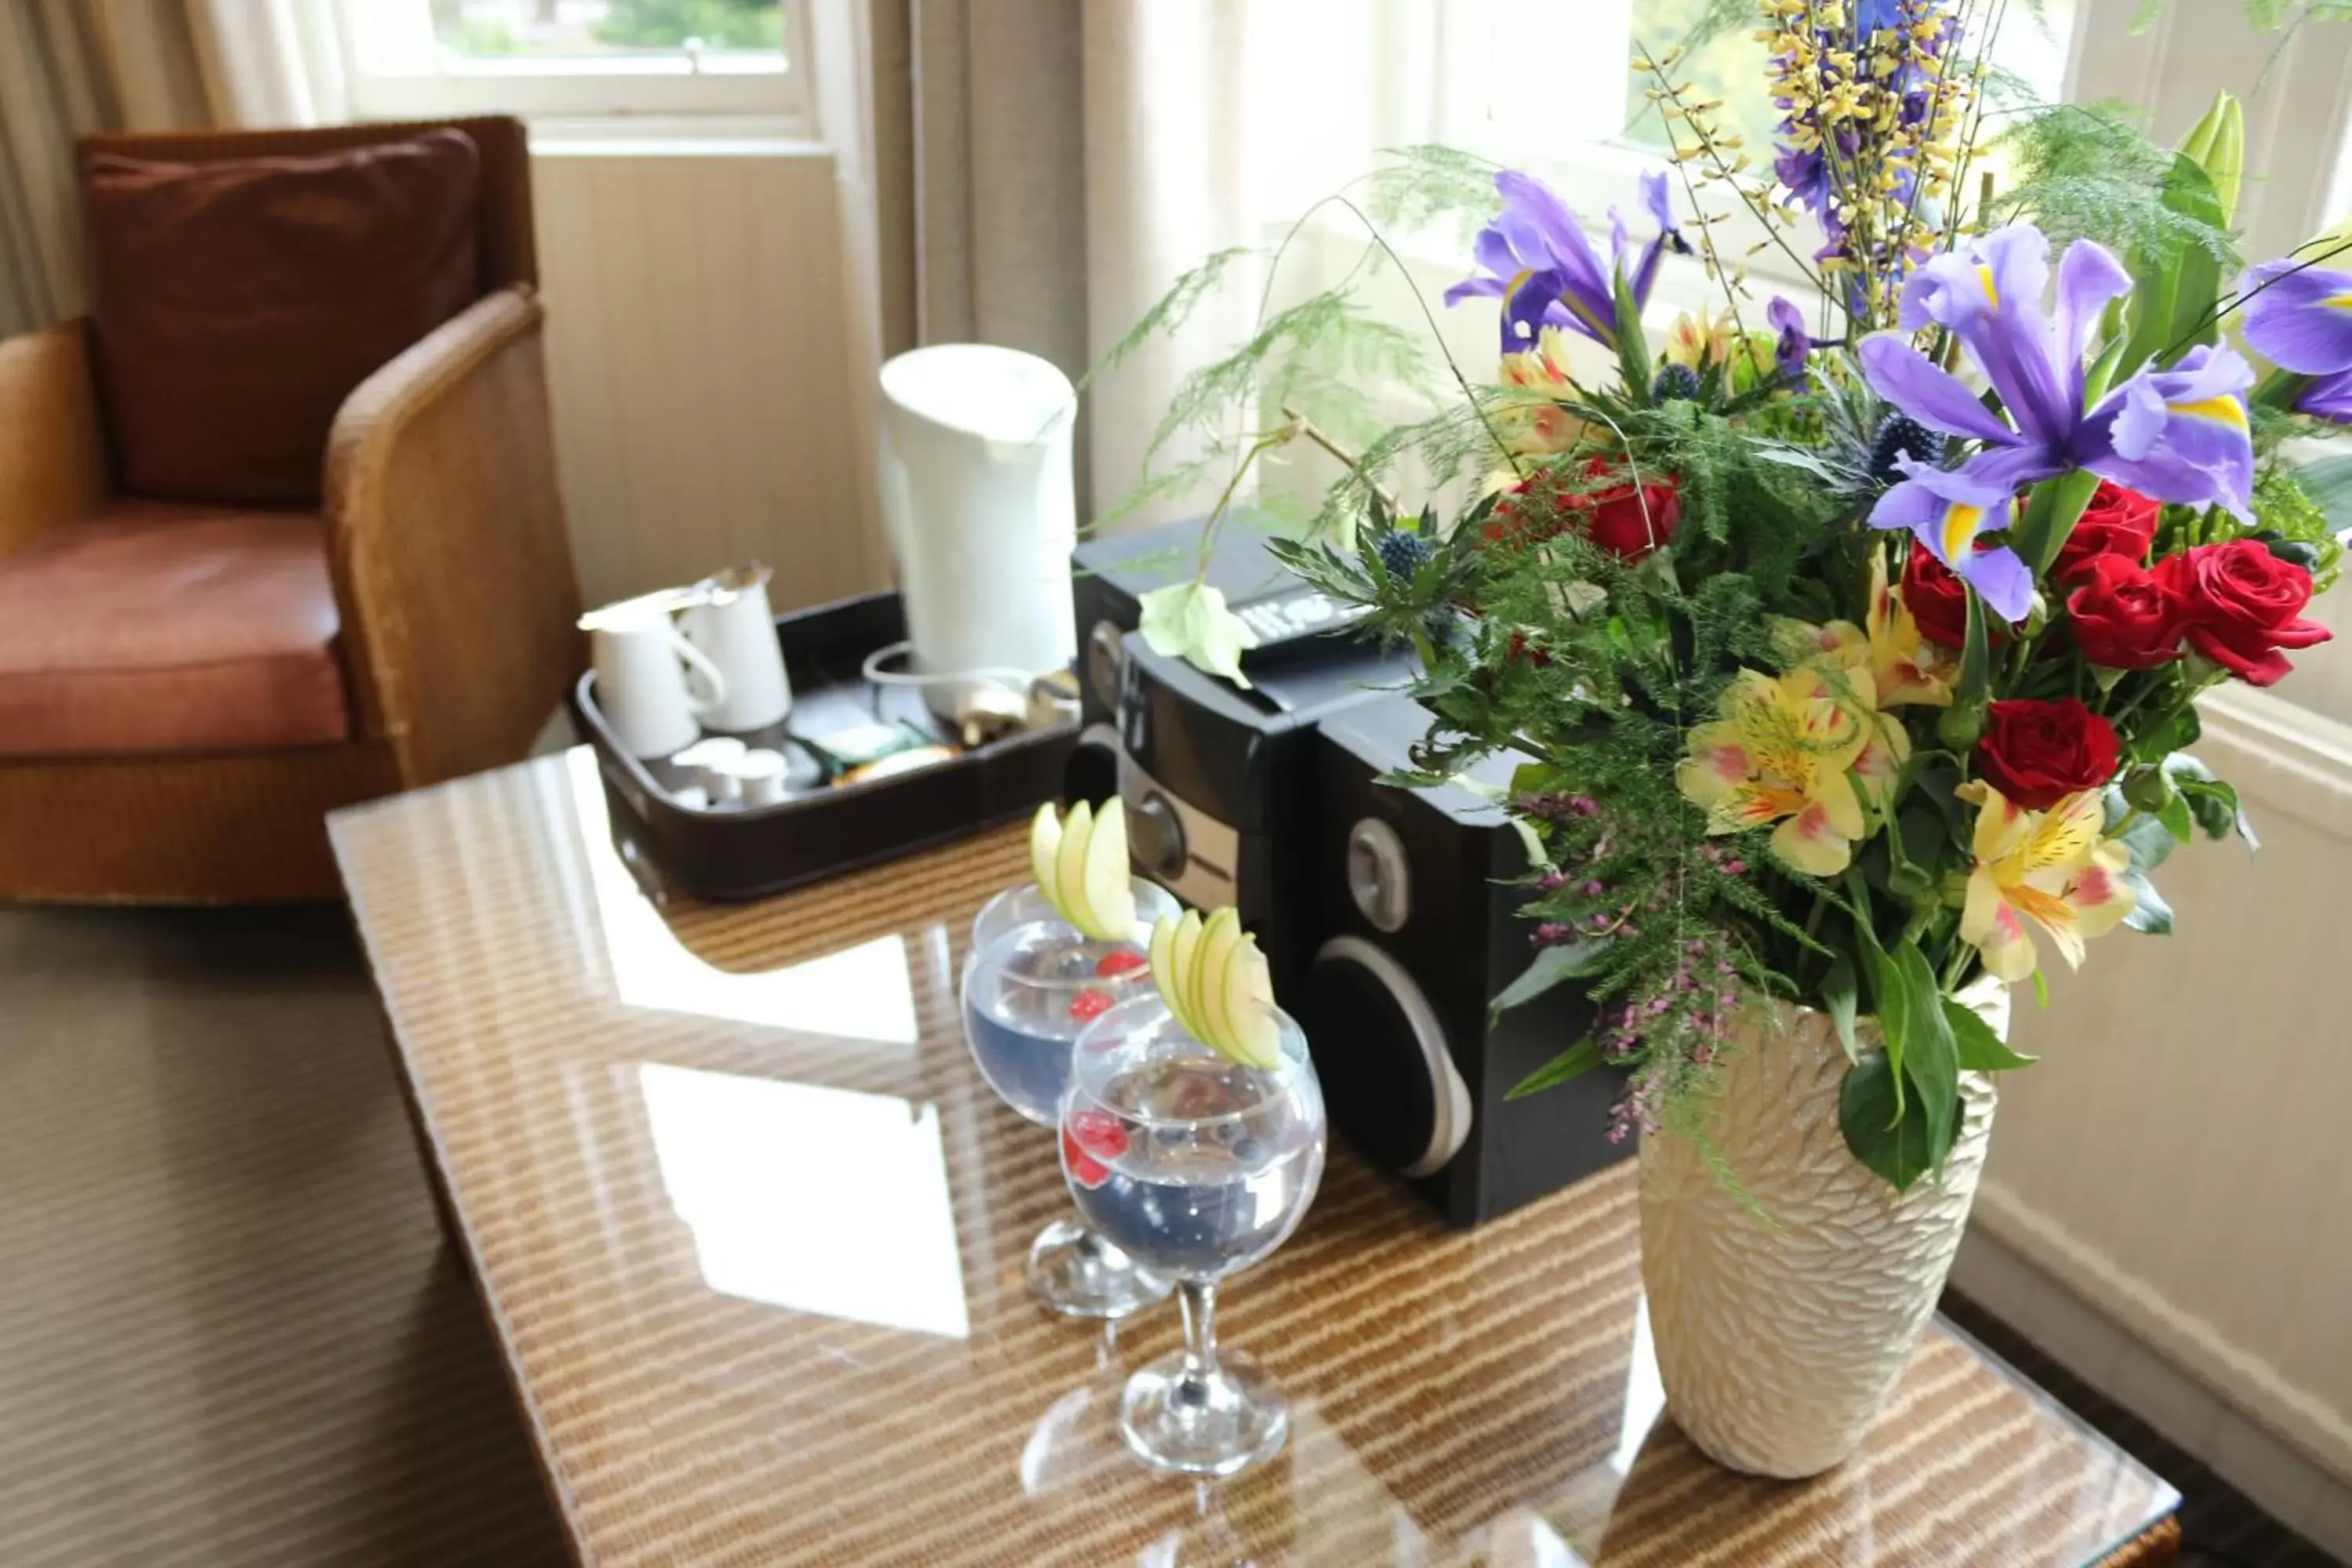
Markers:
point(1622, 519)
point(2124, 616)
point(2241, 604)
point(1939, 601)
point(2117, 522)
point(2037, 753)
point(1630, 522)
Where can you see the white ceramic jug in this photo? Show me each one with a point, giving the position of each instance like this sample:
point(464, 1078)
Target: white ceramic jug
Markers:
point(645, 673)
point(734, 628)
point(977, 497)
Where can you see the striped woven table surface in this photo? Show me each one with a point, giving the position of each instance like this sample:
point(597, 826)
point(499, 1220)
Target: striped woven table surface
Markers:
point(750, 1228)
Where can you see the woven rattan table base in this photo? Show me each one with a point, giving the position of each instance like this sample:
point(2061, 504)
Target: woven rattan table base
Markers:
point(751, 1229)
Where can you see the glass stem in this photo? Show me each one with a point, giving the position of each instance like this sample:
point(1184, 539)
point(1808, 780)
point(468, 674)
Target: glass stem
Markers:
point(1197, 1298)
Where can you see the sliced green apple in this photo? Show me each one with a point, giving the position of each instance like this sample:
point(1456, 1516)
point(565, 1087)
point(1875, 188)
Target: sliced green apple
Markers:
point(1243, 989)
point(1162, 954)
point(1104, 887)
point(1175, 987)
point(1044, 844)
point(1218, 938)
point(1069, 864)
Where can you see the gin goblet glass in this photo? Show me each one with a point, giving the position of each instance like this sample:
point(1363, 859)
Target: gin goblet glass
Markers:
point(1196, 1166)
point(1032, 984)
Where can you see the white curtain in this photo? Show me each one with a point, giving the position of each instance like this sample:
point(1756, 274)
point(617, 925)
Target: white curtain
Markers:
point(69, 67)
point(1217, 124)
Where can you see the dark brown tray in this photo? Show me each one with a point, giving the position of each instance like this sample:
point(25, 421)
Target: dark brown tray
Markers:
point(675, 847)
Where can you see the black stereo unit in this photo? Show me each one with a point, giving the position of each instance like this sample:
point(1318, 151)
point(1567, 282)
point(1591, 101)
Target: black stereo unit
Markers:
point(1223, 787)
point(1418, 929)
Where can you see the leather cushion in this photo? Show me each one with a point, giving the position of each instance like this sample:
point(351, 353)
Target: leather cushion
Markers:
point(235, 303)
point(158, 628)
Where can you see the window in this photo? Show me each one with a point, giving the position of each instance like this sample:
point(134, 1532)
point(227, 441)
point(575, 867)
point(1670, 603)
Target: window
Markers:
point(690, 60)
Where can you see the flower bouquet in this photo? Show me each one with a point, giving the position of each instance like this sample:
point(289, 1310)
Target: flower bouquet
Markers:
point(1855, 639)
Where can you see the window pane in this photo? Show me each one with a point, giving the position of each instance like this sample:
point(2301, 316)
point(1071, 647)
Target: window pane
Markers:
point(496, 29)
point(1729, 63)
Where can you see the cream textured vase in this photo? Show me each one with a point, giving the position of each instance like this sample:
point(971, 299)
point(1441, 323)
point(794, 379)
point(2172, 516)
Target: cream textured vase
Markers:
point(1778, 1346)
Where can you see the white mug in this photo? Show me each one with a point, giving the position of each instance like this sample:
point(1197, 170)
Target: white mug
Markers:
point(732, 624)
point(645, 676)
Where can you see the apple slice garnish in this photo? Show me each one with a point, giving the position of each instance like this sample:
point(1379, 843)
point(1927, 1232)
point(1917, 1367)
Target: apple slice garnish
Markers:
point(1244, 988)
point(1106, 895)
point(1183, 943)
point(1070, 863)
point(1045, 848)
point(1219, 937)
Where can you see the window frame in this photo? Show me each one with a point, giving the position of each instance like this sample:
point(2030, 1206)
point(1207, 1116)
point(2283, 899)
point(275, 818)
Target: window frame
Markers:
point(653, 91)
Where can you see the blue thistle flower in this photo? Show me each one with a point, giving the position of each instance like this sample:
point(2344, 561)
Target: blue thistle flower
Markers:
point(1676, 381)
point(1900, 435)
point(1402, 554)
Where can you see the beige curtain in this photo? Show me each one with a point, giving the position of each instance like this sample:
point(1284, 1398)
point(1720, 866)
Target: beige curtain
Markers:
point(69, 67)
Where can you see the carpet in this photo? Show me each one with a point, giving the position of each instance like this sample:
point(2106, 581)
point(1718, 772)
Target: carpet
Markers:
point(230, 1332)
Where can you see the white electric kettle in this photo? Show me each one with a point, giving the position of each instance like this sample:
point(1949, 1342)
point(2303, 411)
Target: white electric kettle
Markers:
point(647, 672)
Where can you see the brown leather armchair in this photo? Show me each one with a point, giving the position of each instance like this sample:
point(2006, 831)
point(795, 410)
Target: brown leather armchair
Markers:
point(191, 688)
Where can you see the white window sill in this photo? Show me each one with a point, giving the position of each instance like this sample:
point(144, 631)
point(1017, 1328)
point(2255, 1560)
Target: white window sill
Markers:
point(684, 136)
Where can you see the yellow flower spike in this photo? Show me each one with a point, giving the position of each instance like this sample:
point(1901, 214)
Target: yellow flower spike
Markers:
point(1780, 753)
point(1905, 667)
point(2049, 869)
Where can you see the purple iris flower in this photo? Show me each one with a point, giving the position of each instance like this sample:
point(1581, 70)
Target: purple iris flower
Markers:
point(2328, 397)
point(2301, 319)
point(1795, 342)
point(1539, 260)
point(2179, 435)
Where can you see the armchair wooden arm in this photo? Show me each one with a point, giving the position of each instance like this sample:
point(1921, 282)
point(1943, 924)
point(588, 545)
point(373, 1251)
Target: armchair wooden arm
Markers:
point(52, 459)
point(451, 566)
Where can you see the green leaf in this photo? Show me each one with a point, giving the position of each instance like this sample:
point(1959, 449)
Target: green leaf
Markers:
point(2151, 913)
point(1551, 966)
point(1188, 620)
point(1887, 992)
point(2168, 734)
point(2177, 821)
point(1931, 1058)
point(1633, 348)
point(1574, 1062)
point(2149, 842)
point(1841, 992)
point(1980, 1049)
point(2051, 513)
point(1976, 660)
point(2042, 991)
point(2176, 282)
point(1884, 1135)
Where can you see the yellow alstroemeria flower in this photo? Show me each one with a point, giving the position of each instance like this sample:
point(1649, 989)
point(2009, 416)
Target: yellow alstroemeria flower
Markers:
point(1533, 427)
point(2046, 868)
point(1907, 667)
point(1696, 344)
point(1780, 753)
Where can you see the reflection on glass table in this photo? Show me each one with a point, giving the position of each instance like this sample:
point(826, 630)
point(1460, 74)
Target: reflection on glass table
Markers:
point(739, 1156)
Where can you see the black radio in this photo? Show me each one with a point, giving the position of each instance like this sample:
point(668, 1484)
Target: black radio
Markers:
point(1419, 929)
point(1383, 913)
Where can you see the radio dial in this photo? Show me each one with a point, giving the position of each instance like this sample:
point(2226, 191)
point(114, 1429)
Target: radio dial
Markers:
point(1157, 838)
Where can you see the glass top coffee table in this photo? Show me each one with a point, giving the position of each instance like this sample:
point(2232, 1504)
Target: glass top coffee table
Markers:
point(750, 1228)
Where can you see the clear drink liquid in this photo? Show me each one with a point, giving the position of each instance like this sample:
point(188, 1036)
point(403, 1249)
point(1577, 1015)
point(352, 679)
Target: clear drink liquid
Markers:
point(1026, 997)
point(1192, 1165)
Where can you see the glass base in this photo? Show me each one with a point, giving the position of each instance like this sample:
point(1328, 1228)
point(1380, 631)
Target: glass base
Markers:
point(1079, 1274)
point(1213, 1426)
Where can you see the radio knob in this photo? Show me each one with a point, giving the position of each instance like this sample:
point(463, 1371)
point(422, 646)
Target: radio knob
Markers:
point(1156, 836)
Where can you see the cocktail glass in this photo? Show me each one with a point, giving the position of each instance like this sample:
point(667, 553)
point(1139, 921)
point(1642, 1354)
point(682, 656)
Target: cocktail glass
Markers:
point(1031, 984)
point(1195, 1166)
